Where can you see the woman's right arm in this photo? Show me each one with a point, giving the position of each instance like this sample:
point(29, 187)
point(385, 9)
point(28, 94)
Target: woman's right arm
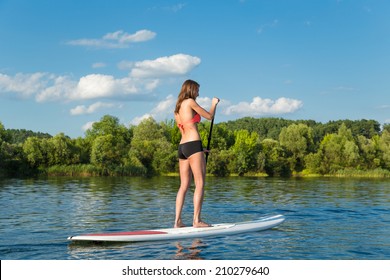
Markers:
point(205, 114)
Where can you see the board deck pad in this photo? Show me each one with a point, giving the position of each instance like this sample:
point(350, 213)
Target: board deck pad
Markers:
point(262, 223)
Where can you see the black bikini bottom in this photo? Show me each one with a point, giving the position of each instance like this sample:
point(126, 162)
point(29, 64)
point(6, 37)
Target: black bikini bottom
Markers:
point(189, 148)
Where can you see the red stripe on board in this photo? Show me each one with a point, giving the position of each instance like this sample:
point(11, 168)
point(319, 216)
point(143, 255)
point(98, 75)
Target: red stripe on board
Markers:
point(138, 232)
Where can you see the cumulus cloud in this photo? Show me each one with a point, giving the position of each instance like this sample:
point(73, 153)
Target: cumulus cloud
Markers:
point(49, 87)
point(117, 39)
point(165, 106)
point(25, 85)
point(57, 88)
point(178, 64)
point(163, 110)
point(260, 107)
point(82, 109)
point(143, 79)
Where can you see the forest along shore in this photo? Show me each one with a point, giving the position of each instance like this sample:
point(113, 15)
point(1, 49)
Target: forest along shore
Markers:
point(244, 147)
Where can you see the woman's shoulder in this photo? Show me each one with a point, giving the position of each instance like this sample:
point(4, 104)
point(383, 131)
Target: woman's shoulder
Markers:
point(188, 101)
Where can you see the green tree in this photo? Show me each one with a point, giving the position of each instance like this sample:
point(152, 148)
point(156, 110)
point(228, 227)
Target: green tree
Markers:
point(150, 147)
point(108, 125)
point(2, 133)
point(386, 126)
point(62, 151)
point(104, 153)
point(245, 151)
point(171, 132)
point(338, 151)
point(35, 150)
point(2, 136)
point(222, 138)
point(272, 159)
point(370, 152)
point(109, 141)
point(384, 146)
point(83, 148)
point(218, 162)
point(298, 140)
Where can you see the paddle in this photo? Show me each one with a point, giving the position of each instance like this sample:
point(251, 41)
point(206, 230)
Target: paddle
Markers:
point(211, 130)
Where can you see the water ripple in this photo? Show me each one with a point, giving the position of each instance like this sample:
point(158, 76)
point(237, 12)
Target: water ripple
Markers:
point(326, 218)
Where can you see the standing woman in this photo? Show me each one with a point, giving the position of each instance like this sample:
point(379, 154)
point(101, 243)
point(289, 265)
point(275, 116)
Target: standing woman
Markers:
point(190, 152)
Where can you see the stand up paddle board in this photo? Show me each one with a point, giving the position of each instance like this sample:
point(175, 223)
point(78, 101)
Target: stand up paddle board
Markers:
point(262, 223)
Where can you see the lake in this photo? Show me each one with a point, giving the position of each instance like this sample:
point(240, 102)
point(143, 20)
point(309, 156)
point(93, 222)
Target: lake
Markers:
point(326, 218)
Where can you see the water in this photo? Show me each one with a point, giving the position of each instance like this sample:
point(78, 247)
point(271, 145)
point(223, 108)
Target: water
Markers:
point(334, 219)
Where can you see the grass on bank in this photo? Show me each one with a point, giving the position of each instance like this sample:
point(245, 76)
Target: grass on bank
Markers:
point(91, 170)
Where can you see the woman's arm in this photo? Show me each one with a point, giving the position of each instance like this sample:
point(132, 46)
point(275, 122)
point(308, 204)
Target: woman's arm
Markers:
point(205, 114)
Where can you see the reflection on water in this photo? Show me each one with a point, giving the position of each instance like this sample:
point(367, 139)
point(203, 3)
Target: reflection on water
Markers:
point(181, 250)
point(326, 218)
point(189, 253)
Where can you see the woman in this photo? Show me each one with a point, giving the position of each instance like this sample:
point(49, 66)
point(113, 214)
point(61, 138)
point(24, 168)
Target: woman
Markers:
point(191, 154)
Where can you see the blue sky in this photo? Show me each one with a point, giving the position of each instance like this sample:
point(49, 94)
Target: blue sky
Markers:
point(66, 63)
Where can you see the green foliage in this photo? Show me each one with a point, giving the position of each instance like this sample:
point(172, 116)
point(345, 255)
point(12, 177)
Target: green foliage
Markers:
point(273, 159)
point(271, 146)
point(298, 140)
point(35, 150)
point(337, 151)
point(384, 147)
point(19, 136)
point(2, 133)
point(150, 148)
point(104, 153)
point(245, 150)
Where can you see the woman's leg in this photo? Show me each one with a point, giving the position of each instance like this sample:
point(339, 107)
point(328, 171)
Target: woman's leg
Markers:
point(198, 167)
point(185, 182)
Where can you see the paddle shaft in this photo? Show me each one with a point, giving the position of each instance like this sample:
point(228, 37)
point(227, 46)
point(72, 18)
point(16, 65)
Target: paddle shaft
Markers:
point(210, 132)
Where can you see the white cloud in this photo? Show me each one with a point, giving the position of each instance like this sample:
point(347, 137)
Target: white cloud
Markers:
point(126, 38)
point(49, 87)
point(178, 64)
point(87, 126)
point(25, 85)
point(143, 79)
point(260, 107)
point(95, 86)
point(137, 120)
point(57, 88)
point(98, 65)
point(165, 106)
point(117, 39)
point(125, 65)
point(204, 102)
point(163, 110)
point(82, 109)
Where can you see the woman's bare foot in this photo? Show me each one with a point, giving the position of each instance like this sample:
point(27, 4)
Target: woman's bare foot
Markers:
point(179, 224)
point(201, 224)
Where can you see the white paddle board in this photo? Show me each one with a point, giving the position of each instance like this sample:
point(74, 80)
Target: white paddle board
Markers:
point(262, 223)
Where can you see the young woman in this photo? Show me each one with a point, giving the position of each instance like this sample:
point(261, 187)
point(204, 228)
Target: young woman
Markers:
point(190, 152)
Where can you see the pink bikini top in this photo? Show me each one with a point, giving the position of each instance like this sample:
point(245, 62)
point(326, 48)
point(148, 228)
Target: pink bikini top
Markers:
point(195, 119)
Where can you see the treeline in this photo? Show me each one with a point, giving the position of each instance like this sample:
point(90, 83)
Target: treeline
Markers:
point(248, 146)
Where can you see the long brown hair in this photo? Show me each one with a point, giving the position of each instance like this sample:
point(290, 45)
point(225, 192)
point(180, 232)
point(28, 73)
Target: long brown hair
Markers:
point(189, 89)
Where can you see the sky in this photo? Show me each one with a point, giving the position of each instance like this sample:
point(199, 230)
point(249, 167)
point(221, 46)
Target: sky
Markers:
point(64, 64)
